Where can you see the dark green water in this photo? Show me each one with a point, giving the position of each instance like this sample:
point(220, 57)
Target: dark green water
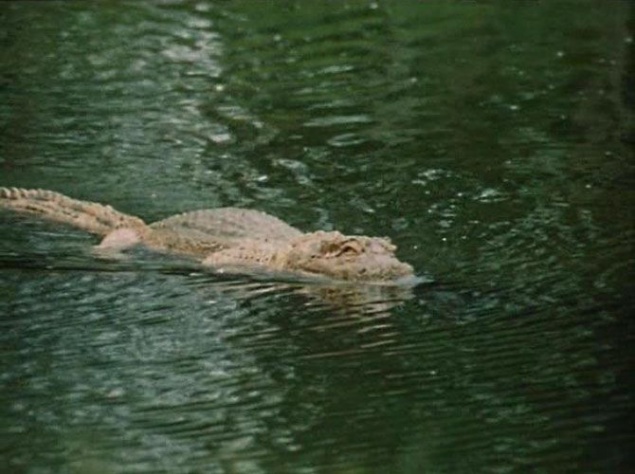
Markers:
point(492, 142)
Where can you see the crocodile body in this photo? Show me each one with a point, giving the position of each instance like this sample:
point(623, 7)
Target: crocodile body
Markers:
point(222, 238)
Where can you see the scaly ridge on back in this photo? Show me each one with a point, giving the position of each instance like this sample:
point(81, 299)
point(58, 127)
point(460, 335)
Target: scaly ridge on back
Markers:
point(92, 217)
point(230, 223)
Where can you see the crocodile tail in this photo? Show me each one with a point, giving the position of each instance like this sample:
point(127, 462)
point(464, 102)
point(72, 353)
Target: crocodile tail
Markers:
point(89, 216)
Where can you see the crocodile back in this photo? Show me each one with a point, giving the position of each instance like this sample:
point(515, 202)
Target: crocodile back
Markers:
point(228, 224)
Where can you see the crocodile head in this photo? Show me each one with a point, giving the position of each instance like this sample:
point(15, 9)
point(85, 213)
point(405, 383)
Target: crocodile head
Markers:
point(345, 257)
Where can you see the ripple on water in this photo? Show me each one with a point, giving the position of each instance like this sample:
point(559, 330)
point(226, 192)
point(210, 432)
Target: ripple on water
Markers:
point(509, 188)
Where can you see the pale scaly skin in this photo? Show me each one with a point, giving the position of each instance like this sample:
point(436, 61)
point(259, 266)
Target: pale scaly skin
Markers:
point(222, 238)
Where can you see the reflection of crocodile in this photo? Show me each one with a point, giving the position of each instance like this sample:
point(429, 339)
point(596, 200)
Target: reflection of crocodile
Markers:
point(225, 237)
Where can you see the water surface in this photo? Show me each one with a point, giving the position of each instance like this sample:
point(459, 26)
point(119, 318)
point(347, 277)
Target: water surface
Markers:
point(491, 142)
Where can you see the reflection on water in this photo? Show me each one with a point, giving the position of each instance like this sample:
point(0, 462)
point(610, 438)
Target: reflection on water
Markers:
point(148, 369)
point(490, 143)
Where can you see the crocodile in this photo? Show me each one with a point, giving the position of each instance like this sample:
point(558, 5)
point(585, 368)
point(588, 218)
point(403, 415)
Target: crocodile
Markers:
point(225, 238)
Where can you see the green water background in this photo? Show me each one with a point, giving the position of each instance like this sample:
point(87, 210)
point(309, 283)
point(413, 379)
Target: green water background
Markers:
point(492, 141)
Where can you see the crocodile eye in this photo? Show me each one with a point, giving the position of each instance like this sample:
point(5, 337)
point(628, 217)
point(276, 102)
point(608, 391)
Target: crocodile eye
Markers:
point(350, 248)
point(329, 249)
